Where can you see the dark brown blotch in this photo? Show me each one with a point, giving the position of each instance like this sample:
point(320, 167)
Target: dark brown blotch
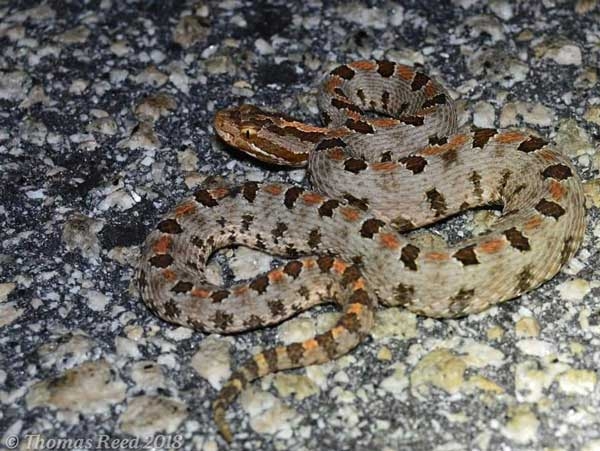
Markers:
point(460, 301)
point(279, 230)
point(222, 319)
point(481, 136)
point(204, 197)
point(314, 238)
point(260, 284)
point(558, 172)
point(437, 202)
point(295, 352)
point(475, 179)
point(341, 104)
point(291, 195)
point(361, 95)
point(386, 68)
point(253, 322)
point(170, 226)
point(414, 163)
point(325, 262)
point(419, 81)
point(351, 274)
point(436, 140)
point(549, 208)
point(361, 204)
point(402, 224)
point(409, 255)
point(359, 126)
point(524, 279)
point(439, 99)
point(370, 227)
point(355, 165)
point(532, 144)
point(412, 120)
point(385, 99)
point(247, 220)
point(293, 269)
point(219, 295)
point(182, 287)
point(270, 356)
point(249, 191)
point(466, 255)
point(517, 239)
point(344, 72)
point(172, 310)
point(161, 261)
point(327, 207)
point(330, 143)
point(403, 294)
point(328, 344)
point(276, 307)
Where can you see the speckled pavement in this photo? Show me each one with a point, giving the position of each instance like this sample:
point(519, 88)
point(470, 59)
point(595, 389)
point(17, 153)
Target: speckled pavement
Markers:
point(105, 123)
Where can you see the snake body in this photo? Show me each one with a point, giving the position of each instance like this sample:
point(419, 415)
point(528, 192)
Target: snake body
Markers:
point(373, 177)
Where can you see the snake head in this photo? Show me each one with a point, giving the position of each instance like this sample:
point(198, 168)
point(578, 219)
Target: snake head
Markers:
point(270, 137)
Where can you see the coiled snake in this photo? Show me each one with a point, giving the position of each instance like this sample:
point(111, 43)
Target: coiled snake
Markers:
point(374, 177)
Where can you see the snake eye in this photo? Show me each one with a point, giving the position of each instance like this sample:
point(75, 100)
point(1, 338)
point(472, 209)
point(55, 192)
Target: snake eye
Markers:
point(248, 132)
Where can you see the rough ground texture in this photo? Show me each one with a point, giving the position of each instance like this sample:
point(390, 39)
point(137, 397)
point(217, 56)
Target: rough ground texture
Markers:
point(105, 123)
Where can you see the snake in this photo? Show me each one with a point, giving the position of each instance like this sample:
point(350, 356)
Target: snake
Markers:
point(389, 158)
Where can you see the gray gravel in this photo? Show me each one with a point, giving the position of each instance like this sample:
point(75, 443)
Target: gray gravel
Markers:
point(105, 123)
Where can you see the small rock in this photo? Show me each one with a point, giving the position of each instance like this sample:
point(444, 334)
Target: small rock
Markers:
point(394, 323)
point(77, 35)
point(527, 327)
point(577, 382)
point(484, 115)
point(190, 30)
point(142, 136)
point(104, 125)
point(574, 290)
point(89, 388)
point(560, 51)
point(522, 426)
point(81, 232)
point(5, 289)
point(531, 113)
point(154, 106)
point(440, 368)
point(151, 76)
point(14, 85)
point(300, 386)
point(212, 360)
point(147, 416)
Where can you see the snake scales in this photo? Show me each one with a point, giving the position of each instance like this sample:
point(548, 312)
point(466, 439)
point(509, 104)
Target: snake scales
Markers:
point(374, 177)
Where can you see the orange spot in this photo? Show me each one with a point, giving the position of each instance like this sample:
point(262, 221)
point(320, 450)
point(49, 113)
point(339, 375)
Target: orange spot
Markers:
point(275, 190)
point(275, 275)
point(184, 209)
point(309, 263)
point(436, 256)
point(350, 214)
point(384, 166)
point(405, 72)
point(557, 190)
point(510, 137)
point(492, 246)
point(162, 245)
point(354, 115)
point(533, 223)
point(200, 293)
point(355, 308)
point(359, 284)
point(339, 266)
point(336, 154)
point(363, 65)
point(169, 274)
point(430, 90)
point(337, 331)
point(312, 198)
point(310, 345)
point(384, 122)
point(219, 193)
point(389, 240)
